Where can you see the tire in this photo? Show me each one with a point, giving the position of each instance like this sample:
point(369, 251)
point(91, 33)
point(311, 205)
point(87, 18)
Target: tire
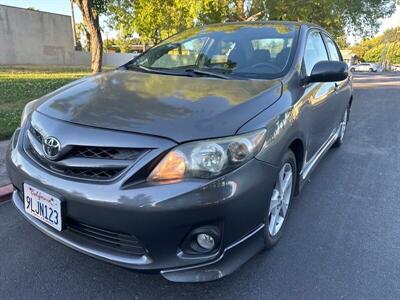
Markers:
point(352, 70)
point(271, 237)
point(343, 126)
point(370, 70)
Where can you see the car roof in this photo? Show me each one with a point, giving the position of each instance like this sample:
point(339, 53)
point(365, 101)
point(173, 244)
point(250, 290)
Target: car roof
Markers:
point(300, 25)
point(266, 23)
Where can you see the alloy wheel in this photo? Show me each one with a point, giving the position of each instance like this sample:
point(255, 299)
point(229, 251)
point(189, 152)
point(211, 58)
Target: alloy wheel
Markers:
point(280, 199)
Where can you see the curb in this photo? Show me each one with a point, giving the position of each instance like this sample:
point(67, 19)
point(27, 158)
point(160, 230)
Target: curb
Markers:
point(5, 192)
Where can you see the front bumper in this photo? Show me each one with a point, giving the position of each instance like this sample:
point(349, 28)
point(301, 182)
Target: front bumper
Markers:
point(160, 216)
point(230, 259)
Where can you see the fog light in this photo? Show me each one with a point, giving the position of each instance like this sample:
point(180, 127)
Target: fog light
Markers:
point(202, 240)
point(205, 241)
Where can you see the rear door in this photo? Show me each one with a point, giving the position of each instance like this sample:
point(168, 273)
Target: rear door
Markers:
point(340, 98)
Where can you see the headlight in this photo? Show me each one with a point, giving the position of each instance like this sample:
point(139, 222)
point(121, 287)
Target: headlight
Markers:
point(209, 158)
point(28, 109)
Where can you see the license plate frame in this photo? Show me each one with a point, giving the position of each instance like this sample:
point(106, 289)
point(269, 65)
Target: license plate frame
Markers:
point(43, 206)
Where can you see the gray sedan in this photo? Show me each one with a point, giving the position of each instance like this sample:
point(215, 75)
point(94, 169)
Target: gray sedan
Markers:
point(184, 161)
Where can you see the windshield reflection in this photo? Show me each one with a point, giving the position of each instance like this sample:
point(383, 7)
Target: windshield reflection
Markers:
point(252, 50)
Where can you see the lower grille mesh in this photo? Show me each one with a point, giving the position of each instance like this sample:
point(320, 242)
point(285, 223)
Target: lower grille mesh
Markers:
point(120, 242)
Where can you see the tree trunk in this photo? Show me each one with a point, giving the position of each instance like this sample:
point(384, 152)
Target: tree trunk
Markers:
point(91, 20)
point(240, 10)
point(88, 40)
point(96, 45)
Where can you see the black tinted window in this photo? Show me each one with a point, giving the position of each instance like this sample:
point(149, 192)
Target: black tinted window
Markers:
point(315, 51)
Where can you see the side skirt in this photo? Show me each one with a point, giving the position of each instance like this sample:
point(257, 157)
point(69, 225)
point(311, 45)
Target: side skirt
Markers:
point(310, 165)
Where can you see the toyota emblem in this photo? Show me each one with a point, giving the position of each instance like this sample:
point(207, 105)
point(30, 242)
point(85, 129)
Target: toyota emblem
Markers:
point(51, 147)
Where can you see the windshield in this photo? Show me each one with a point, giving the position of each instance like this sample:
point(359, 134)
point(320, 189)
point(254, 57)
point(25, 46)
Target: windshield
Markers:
point(258, 50)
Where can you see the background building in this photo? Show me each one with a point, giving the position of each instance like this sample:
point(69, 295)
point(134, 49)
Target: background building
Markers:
point(31, 37)
point(349, 57)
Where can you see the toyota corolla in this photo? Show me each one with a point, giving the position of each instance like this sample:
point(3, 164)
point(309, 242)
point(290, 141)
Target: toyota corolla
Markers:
point(184, 161)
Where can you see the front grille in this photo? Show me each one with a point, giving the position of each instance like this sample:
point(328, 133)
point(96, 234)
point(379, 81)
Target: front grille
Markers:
point(84, 173)
point(106, 153)
point(116, 241)
point(108, 156)
point(94, 173)
point(36, 134)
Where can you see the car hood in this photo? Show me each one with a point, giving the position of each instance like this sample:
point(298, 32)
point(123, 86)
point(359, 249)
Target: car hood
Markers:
point(179, 108)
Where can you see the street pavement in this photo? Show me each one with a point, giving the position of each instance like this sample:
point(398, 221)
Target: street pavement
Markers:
point(342, 238)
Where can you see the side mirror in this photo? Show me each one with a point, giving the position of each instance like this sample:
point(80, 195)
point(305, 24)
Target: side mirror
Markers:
point(329, 71)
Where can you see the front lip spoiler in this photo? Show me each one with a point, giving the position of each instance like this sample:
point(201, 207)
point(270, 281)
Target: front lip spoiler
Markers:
point(231, 259)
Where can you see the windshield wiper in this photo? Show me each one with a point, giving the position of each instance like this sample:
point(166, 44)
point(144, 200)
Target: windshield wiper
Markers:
point(207, 73)
point(188, 72)
point(151, 70)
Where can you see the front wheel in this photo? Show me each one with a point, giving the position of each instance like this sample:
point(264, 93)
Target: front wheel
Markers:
point(282, 195)
point(342, 129)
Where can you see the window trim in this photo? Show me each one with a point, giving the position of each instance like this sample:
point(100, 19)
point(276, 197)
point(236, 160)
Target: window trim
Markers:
point(325, 37)
point(309, 32)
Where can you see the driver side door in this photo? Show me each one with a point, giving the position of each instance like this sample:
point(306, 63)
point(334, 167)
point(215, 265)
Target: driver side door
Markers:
point(318, 96)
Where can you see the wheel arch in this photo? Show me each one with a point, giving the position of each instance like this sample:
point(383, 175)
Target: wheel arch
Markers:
point(298, 149)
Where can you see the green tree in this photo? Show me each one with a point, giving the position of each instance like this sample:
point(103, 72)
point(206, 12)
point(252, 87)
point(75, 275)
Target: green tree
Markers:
point(157, 19)
point(342, 42)
point(393, 53)
point(171, 17)
point(375, 54)
point(91, 10)
point(121, 15)
point(81, 31)
point(384, 48)
point(153, 20)
point(214, 11)
point(361, 48)
point(123, 44)
point(360, 17)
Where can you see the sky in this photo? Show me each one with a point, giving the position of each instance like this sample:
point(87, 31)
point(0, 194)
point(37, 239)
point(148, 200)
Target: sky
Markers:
point(55, 6)
point(63, 7)
point(393, 21)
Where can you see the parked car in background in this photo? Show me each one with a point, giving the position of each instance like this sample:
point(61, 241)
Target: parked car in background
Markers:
point(395, 68)
point(365, 67)
point(184, 161)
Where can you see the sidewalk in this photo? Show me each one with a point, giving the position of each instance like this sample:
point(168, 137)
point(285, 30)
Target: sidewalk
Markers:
point(3, 173)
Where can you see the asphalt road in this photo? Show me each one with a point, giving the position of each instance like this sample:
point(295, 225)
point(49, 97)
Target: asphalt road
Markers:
point(342, 239)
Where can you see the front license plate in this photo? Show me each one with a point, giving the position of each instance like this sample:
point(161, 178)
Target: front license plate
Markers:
point(43, 206)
